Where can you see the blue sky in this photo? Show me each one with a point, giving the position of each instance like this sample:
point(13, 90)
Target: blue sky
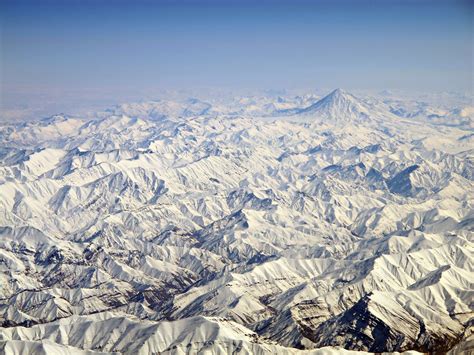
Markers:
point(422, 45)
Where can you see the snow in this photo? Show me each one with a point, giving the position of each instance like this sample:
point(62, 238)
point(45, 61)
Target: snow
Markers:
point(258, 224)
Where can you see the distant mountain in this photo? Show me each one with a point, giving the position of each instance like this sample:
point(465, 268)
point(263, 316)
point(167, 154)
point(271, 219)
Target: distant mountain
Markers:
point(338, 105)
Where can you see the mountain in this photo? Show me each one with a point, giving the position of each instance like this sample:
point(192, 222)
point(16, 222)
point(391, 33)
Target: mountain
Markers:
point(338, 105)
point(206, 225)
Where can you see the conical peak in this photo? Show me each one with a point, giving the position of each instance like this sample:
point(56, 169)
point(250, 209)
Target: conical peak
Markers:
point(338, 93)
point(338, 97)
point(338, 104)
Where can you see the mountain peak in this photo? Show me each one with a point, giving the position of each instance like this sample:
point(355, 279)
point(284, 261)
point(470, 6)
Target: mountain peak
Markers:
point(337, 92)
point(338, 105)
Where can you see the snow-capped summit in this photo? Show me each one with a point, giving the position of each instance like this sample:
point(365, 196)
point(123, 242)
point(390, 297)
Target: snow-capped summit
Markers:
point(338, 105)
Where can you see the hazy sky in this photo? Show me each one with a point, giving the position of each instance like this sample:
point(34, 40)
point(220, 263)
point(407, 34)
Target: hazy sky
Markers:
point(425, 45)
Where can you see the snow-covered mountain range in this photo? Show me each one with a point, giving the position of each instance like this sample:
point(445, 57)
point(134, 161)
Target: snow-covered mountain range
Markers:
point(299, 224)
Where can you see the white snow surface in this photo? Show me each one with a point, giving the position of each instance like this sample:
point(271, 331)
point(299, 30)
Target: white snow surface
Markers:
point(307, 224)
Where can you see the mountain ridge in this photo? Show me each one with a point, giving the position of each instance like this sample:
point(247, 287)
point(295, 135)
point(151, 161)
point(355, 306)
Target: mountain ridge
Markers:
point(216, 224)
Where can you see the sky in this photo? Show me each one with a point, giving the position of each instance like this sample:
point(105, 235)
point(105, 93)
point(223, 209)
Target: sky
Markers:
point(125, 46)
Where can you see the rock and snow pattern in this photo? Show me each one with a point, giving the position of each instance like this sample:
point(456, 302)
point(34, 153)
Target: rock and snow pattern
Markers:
point(253, 225)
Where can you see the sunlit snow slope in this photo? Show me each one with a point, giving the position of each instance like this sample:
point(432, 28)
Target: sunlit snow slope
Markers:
point(255, 225)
